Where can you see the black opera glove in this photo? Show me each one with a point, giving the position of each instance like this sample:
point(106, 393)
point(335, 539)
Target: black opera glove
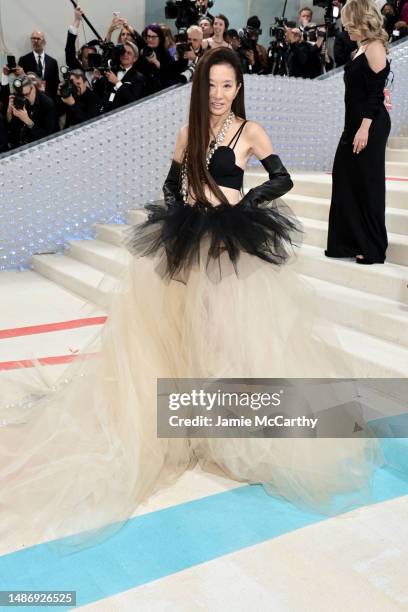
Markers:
point(279, 183)
point(172, 185)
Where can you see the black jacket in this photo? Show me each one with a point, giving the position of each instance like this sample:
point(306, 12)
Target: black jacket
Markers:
point(304, 60)
point(132, 89)
point(4, 98)
point(156, 78)
point(3, 135)
point(86, 107)
point(71, 57)
point(51, 74)
point(44, 115)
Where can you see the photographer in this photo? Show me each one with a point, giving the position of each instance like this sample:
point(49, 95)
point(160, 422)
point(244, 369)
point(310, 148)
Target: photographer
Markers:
point(206, 25)
point(393, 25)
point(334, 29)
point(3, 135)
point(155, 61)
point(202, 8)
point(305, 18)
point(31, 114)
point(78, 60)
point(256, 54)
point(303, 58)
point(233, 38)
point(188, 54)
point(123, 83)
point(79, 101)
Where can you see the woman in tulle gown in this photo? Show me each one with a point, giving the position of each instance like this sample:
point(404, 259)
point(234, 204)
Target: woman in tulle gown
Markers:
point(204, 295)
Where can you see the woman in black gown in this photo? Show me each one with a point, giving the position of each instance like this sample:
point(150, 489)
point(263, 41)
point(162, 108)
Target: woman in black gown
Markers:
point(357, 213)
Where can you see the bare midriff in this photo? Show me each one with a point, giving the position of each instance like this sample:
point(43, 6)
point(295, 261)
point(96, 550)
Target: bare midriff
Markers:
point(233, 196)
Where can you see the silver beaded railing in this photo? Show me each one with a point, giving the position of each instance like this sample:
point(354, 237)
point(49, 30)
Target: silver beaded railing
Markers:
point(58, 189)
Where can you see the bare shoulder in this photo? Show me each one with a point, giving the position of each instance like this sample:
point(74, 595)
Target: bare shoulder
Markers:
point(258, 140)
point(376, 55)
point(254, 129)
point(181, 144)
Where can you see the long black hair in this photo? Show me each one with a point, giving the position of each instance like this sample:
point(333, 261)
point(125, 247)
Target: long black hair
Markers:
point(199, 120)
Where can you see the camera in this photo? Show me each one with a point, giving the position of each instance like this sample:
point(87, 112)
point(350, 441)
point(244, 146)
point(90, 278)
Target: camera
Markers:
point(19, 99)
point(312, 33)
point(248, 43)
point(277, 31)
point(331, 14)
point(109, 59)
point(185, 12)
point(67, 89)
point(147, 51)
point(182, 43)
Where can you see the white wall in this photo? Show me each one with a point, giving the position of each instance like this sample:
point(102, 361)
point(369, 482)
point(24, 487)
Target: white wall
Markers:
point(20, 17)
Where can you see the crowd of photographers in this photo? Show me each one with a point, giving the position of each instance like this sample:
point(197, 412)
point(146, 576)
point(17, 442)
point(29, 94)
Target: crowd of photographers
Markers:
point(37, 98)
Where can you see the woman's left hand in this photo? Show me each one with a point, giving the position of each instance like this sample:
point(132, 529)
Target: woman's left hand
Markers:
point(360, 140)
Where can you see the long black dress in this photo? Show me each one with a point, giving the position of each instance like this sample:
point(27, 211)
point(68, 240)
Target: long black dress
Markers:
point(357, 211)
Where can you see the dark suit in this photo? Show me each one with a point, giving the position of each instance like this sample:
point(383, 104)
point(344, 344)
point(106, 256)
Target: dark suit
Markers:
point(71, 57)
point(4, 98)
point(3, 135)
point(86, 107)
point(131, 90)
point(51, 75)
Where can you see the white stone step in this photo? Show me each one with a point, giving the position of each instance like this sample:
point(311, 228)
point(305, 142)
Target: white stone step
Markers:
point(86, 281)
point(388, 280)
point(398, 142)
point(371, 314)
point(100, 254)
point(345, 303)
point(112, 233)
point(134, 217)
point(318, 208)
point(369, 355)
point(396, 155)
point(399, 168)
point(316, 235)
point(320, 185)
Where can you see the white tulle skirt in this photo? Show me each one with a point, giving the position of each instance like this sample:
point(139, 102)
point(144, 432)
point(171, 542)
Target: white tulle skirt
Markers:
point(80, 457)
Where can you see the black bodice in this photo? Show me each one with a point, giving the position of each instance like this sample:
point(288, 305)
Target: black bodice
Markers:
point(364, 95)
point(223, 167)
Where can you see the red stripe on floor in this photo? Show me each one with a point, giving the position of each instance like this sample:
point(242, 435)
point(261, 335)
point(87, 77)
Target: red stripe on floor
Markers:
point(31, 363)
point(51, 327)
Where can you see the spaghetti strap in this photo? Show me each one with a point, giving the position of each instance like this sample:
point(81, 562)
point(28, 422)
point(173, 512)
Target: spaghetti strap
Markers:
point(237, 135)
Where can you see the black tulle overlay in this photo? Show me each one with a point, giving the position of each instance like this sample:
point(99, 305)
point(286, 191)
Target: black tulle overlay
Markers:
point(269, 232)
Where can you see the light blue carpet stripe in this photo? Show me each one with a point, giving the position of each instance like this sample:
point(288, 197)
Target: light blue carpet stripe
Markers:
point(161, 543)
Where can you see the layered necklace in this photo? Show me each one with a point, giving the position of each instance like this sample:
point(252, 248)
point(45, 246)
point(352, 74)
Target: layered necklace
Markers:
point(214, 144)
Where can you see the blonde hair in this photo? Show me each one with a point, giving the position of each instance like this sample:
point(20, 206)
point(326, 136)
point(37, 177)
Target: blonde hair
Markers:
point(364, 17)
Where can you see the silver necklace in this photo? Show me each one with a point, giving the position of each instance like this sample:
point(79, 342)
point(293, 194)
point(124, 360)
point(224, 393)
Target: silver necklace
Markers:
point(214, 144)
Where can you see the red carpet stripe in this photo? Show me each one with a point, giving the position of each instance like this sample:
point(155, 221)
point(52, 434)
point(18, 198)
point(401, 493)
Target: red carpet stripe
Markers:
point(31, 363)
point(50, 327)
